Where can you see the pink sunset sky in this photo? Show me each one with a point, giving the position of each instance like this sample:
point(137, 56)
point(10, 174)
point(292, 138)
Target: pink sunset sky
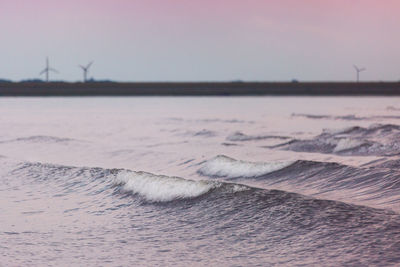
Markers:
point(184, 40)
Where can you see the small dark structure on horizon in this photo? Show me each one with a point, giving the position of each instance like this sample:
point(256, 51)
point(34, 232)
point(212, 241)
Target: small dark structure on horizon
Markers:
point(85, 71)
point(358, 70)
point(47, 70)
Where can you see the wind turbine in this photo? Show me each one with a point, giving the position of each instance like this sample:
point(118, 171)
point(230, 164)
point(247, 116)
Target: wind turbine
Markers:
point(358, 70)
point(47, 70)
point(85, 70)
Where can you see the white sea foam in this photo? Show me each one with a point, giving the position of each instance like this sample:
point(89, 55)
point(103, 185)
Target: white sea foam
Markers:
point(159, 188)
point(223, 166)
point(346, 144)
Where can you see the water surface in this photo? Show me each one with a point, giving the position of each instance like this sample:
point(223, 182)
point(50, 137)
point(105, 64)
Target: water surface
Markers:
point(220, 181)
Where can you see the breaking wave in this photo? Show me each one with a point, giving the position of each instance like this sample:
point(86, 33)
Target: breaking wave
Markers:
point(160, 188)
point(377, 140)
point(274, 226)
point(149, 187)
point(376, 184)
point(223, 166)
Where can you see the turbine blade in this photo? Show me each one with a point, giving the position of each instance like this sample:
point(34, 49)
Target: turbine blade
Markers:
point(363, 69)
point(356, 68)
point(53, 70)
point(43, 71)
point(90, 64)
point(82, 67)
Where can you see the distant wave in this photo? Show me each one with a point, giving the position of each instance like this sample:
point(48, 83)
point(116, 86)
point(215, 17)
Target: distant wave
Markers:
point(223, 166)
point(380, 129)
point(349, 144)
point(378, 139)
point(349, 117)
point(166, 144)
point(224, 121)
point(240, 137)
point(229, 144)
point(209, 120)
point(330, 117)
point(201, 133)
point(40, 139)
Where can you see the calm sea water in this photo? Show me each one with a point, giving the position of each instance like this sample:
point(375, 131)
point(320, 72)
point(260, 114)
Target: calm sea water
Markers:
point(223, 181)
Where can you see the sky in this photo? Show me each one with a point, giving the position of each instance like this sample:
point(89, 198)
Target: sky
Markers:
point(207, 40)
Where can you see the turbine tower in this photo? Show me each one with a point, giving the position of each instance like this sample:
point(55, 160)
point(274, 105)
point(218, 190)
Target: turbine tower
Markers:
point(85, 70)
point(358, 70)
point(47, 70)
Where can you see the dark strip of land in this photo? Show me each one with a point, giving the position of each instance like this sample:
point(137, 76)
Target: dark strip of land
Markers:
point(199, 88)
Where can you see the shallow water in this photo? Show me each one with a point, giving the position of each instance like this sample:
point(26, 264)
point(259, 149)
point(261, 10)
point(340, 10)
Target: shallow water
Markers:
point(223, 181)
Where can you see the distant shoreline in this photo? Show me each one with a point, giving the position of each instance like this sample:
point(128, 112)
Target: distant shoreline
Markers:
point(201, 89)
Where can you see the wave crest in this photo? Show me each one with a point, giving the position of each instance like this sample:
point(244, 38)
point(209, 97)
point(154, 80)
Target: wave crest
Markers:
point(160, 188)
point(223, 166)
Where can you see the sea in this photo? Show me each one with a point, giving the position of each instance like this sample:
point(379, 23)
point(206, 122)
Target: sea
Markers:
point(200, 181)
